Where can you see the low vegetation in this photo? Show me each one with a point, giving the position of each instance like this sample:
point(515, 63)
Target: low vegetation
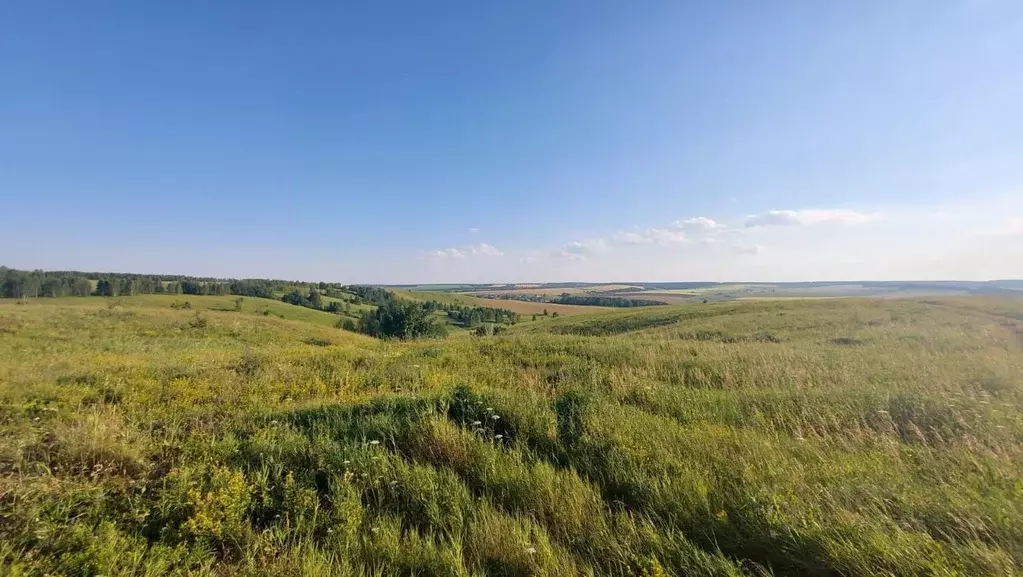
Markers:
point(820, 437)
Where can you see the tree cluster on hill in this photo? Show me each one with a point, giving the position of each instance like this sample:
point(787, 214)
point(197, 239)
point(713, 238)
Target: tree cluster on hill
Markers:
point(401, 320)
point(370, 295)
point(472, 316)
point(314, 300)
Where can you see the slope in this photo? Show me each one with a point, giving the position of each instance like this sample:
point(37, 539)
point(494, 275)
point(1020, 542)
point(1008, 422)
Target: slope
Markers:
point(859, 438)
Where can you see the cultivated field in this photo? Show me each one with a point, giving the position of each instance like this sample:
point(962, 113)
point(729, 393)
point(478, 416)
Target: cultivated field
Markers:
point(816, 437)
point(558, 291)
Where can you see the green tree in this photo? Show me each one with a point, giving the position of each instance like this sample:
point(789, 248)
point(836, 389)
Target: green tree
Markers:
point(81, 287)
point(315, 300)
point(105, 288)
point(400, 320)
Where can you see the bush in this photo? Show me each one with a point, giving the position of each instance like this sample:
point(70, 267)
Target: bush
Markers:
point(198, 322)
point(347, 324)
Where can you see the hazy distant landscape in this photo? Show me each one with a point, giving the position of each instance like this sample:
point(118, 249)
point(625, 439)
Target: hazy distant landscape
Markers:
point(174, 425)
point(674, 293)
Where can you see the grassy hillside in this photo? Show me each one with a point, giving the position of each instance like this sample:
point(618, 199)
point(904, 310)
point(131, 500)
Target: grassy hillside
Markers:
point(224, 303)
point(819, 437)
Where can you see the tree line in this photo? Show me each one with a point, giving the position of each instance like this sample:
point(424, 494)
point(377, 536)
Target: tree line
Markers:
point(602, 301)
point(16, 283)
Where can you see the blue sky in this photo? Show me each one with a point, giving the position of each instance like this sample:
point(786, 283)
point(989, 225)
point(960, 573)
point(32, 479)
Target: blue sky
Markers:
point(515, 141)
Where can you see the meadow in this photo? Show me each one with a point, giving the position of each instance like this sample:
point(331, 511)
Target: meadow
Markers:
point(813, 437)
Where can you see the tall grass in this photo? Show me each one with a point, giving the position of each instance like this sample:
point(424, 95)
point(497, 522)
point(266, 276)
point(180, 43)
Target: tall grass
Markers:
point(825, 437)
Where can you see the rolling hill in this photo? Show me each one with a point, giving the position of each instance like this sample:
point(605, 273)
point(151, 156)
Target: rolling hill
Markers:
point(798, 437)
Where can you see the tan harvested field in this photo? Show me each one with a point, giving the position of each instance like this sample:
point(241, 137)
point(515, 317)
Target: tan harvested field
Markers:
point(530, 308)
point(556, 291)
point(547, 292)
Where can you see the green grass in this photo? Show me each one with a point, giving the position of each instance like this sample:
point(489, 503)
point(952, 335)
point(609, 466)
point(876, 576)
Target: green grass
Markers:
point(818, 437)
point(225, 303)
point(441, 297)
point(356, 310)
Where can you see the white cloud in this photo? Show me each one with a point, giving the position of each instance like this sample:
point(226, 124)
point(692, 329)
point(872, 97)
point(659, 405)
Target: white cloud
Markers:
point(473, 230)
point(699, 229)
point(481, 249)
point(808, 217)
point(697, 224)
point(447, 252)
point(484, 249)
point(582, 250)
point(661, 236)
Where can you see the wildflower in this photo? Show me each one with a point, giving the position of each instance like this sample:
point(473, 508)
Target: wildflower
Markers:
point(347, 462)
point(490, 409)
point(531, 550)
point(375, 529)
point(498, 437)
point(495, 417)
point(374, 442)
point(477, 423)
